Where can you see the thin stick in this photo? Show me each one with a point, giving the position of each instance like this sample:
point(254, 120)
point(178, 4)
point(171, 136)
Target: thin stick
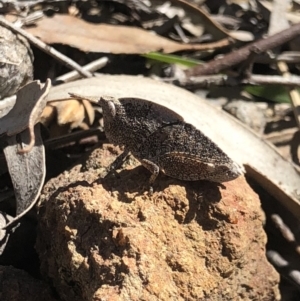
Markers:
point(91, 67)
point(225, 80)
point(293, 92)
point(283, 228)
point(72, 138)
point(46, 48)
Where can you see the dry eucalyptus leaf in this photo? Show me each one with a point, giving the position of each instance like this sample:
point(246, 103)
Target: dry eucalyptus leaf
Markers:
point(31, 100)
point(27, 171)
point(6, 105)
point(16, 60)
point(2, 224)
point(68, 114)
point(48, 115)
point(277, 175)
point(68, 30)
point(89, 111)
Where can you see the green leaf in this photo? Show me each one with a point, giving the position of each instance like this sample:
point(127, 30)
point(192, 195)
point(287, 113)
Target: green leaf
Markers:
point(172, 59)
point(272, 93)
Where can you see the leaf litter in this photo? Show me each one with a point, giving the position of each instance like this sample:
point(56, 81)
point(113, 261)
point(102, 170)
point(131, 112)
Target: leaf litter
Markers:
point(65, 29)
point(260, 158)
point(24, 152)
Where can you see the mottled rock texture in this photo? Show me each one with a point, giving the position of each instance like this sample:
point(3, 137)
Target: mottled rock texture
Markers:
point(16, 61)
point(110, 240)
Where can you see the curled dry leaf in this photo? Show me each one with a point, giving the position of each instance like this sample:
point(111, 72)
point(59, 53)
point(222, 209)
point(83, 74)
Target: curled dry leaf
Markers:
point(64, 115)
point(65, 29)
point(31, 101)
point(27, 171)
point(262, 161)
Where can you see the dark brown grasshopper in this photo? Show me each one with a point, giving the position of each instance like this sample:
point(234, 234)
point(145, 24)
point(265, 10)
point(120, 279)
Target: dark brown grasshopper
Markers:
point(161, 140)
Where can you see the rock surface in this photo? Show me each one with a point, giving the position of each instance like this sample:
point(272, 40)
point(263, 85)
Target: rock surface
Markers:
point(17, 285)
point(16, 61)
point(108, 239)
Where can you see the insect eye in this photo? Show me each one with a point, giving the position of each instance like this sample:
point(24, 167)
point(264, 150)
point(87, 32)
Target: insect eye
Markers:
point(111, 109)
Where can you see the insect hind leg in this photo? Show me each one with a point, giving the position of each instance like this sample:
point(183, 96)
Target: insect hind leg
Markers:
point(119, 161)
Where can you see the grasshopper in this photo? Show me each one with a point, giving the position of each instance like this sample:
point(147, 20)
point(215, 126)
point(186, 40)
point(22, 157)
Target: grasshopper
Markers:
point(162, 141)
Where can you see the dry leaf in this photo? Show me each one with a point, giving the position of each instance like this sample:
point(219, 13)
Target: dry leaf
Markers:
point(62, 116)
point(277, 175)
point(89, 111)
point(89, 37)
point(27, 171)
point(48, 115)
point(31, 100)
point(4, 234)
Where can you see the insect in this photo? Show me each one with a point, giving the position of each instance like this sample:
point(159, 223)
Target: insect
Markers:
point(162, 141)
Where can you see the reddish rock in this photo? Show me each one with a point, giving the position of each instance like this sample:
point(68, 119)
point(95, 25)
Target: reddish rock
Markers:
point(110, 240)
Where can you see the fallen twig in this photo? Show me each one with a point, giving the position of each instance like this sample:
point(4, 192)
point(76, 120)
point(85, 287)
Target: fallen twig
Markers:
point(46, 48)
point(293, 92)
point(279, 13)
point(75, 137)
point(91, 67)
point(235, 57)
point(284, 229)
point(225, 80)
